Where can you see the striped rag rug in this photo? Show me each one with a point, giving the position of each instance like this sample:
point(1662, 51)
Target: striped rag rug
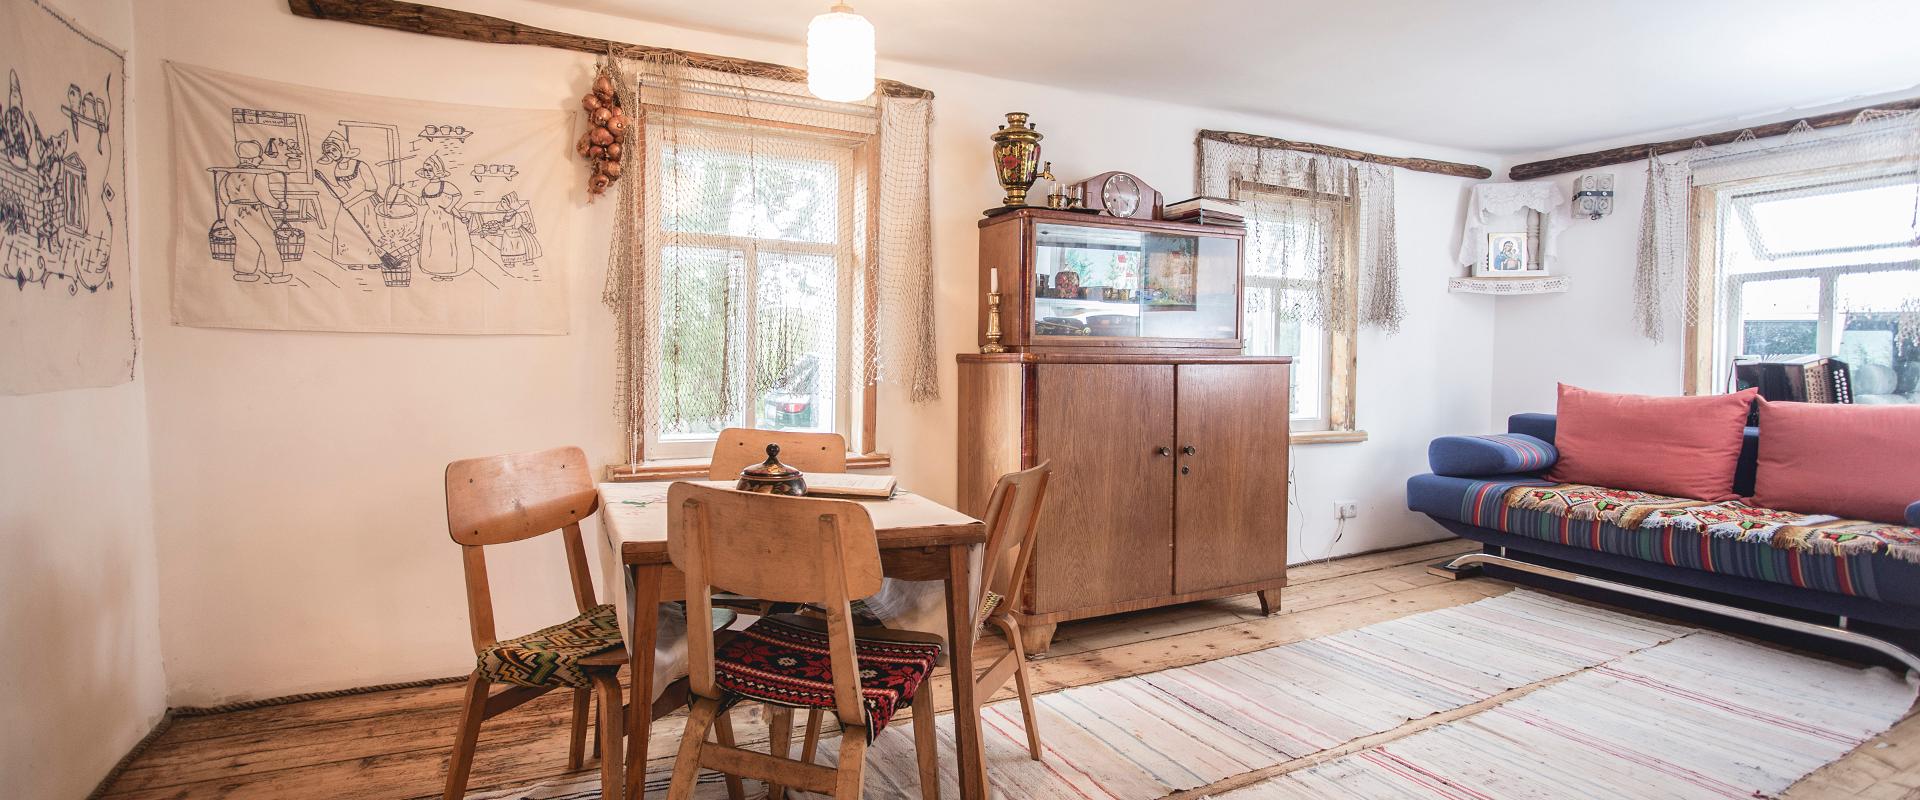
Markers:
point(1774, 715)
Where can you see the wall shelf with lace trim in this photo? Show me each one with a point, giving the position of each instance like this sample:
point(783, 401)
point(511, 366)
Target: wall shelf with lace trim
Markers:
point(1548, 284)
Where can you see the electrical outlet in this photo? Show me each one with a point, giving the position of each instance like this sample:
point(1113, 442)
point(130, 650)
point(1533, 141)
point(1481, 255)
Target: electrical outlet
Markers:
point(1346, 509)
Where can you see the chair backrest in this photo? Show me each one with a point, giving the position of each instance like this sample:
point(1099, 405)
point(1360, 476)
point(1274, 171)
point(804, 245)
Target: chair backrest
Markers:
point(1013, 513)
point(783, 549)
point(500, 499)
point(739, 448)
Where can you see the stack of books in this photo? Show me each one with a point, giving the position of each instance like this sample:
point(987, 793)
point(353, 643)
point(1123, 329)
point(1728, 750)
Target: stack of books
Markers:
point(1206, 211)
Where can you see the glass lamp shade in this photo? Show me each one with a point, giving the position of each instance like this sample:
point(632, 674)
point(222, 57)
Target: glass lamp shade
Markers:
point(840, 56)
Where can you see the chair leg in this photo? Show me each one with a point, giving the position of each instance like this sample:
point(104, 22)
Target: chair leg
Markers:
point(723, 733)
point(686, 766)
point(779, 742)
point(926, 746)
point(1027, 716)
point(577, 745)
point(612, 718)
point(471, 715)
point(853, 763)
point(810, 743)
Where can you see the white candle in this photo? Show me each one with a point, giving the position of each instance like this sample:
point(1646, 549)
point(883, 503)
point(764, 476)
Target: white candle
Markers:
point(993, 280)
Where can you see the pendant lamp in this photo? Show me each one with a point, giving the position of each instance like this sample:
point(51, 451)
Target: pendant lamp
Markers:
point(840, 55)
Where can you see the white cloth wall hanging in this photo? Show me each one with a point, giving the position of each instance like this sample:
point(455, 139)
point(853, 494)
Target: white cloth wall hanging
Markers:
point(307, 209)
point(1491, 203)
point(66, 294)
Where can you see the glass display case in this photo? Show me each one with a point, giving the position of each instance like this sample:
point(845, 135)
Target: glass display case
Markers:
point(1071, 280)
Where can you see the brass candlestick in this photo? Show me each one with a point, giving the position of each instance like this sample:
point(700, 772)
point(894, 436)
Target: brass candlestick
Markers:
point(993, 325)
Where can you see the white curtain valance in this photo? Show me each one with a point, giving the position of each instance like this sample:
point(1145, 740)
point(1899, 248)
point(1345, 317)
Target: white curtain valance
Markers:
point(1491, 202)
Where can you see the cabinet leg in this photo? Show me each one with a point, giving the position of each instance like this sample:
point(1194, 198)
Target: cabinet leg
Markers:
point(1036, 639)
point(1269, 602)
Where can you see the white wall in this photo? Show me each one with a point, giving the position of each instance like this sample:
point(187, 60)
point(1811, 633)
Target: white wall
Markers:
point(81, 620)
point(1586, 336)
point(297, 475)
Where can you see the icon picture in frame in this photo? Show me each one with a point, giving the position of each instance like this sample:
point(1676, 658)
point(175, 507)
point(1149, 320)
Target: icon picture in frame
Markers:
point(1508, 256)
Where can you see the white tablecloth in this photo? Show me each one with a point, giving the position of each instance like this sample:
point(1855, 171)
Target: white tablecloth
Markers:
point(637, 511)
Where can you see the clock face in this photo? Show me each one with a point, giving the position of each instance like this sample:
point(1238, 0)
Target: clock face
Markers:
point(1121, 195)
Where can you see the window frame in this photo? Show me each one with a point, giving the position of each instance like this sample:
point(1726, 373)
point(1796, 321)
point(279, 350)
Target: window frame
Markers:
point(853, 156)
point(1716, 335)
point(1339, 372)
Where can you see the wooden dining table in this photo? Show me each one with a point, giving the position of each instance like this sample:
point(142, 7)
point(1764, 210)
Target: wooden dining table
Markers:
point(920, 540)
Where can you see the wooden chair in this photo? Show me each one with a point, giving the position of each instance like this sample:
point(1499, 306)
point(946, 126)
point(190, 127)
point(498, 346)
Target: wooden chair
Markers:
point(1012, 511)
point(739, 448)
point(506, 499)
point(793, 550)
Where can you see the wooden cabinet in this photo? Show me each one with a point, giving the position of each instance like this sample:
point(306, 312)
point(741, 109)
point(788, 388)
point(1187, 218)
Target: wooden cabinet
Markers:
point(1170, 475)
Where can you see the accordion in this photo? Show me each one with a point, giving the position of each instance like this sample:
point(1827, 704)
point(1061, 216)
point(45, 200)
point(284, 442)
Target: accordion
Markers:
point(1801, 379)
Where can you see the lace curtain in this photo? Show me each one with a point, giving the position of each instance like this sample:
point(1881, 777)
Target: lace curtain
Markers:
point(1877, 146)
point(1546, 203)
point(764, 239)
point(1297, 240)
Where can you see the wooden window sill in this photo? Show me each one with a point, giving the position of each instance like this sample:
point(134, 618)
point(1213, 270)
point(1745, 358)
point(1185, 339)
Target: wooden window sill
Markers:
point(1328, 437)
point(696, 469)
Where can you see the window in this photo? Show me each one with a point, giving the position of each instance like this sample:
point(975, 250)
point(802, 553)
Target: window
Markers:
point(1297, 241)
point(1824, 264)
point(756, 255)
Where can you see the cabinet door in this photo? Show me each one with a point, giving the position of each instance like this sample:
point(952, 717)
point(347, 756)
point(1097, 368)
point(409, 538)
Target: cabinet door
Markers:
point(1106, 533)
point(1230, 496)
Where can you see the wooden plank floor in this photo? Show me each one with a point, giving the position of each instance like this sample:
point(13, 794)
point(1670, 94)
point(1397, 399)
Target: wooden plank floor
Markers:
point(394, 744)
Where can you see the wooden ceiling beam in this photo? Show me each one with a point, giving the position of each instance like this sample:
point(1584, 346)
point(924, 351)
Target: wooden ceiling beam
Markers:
point(467, 26)
point(1635, 152)
point(1453, 168)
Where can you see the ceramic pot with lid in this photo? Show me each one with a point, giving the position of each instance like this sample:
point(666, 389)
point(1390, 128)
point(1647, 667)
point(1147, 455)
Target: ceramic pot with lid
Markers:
point(772, 477)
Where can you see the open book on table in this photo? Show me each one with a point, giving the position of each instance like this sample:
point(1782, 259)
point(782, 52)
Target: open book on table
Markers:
point(858, 487)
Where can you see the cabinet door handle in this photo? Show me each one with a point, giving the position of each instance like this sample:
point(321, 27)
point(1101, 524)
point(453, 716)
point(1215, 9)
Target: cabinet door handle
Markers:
point(1188, 450)
point(1184, 470)
point(1163, 451)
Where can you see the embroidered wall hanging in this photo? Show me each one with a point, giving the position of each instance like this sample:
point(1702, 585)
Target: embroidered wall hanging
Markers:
point(66, 298)
point(307, 209)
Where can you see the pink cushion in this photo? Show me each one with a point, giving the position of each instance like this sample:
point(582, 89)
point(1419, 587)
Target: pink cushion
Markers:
point(1854, 462)
point(1676, 446)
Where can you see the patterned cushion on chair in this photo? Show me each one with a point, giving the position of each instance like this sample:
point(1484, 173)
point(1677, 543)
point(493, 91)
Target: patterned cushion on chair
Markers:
point(784, 660)
point(551, 656)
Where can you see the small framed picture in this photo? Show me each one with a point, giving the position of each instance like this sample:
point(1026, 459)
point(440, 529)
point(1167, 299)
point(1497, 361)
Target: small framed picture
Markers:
point(1508, 257)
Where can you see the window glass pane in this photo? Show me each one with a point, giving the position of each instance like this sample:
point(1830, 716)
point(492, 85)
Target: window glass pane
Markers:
point(696, 370)
point(1876, 319)
point(758, 195)
point(1779, 318)
point(1269, 333)
point(796, 336)
point(1847, 218)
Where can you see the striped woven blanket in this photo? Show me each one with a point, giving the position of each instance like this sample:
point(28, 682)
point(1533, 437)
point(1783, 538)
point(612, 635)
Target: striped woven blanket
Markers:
point(1786, 530)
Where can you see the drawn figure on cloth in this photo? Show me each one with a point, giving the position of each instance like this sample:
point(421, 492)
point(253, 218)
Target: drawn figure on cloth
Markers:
point(446, 243)
point(15, 130)
point(245, 197)
point(352, 192)
point(506, 227)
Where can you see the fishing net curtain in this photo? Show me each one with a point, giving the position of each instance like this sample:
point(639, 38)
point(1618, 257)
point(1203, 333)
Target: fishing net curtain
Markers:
point(764, 237)
point(1301, 226)
point(1879, 151)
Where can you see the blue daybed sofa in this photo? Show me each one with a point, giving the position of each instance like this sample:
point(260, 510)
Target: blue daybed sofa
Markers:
point(1470, 479)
